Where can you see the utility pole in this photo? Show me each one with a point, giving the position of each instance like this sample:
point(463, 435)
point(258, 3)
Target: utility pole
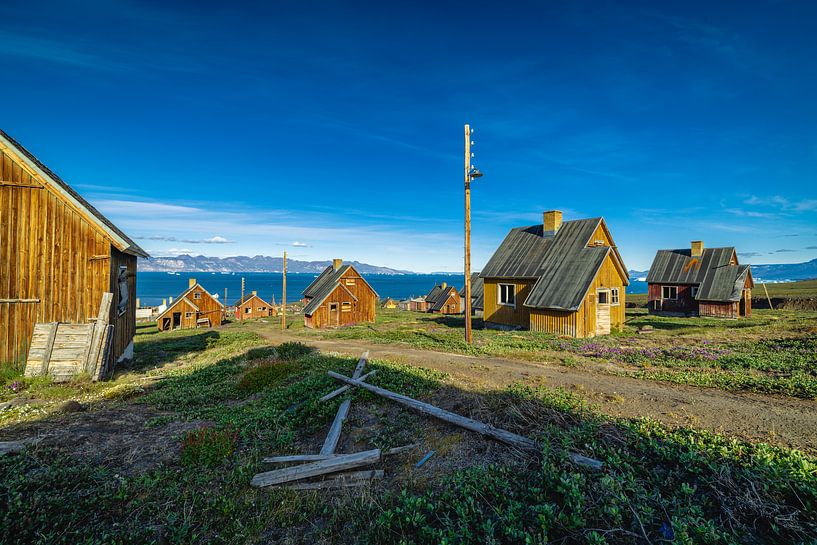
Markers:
point(241, 301)
point(468, 234)
point(470, 174)
point(284, 296)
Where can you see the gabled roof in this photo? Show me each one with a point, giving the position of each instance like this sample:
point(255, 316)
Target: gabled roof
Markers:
point(562, 264)
point(325, 284)
point(443, 297)
point(434, 293)
point(183, 297)
point(120, 239)
point(715, 272)
point(477, 291)
point(249, 296)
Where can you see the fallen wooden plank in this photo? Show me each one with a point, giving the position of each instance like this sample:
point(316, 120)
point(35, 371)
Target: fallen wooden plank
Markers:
point(488, 430)
point(9, 447)
point(297, 458)
point(332, 438)
point(321, 467)
point(356, 478)
point(453, 418)
point(335, 393)
point(399, 450)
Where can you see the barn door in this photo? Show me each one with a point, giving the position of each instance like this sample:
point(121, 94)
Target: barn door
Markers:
point(334, 314)
point(603, 313)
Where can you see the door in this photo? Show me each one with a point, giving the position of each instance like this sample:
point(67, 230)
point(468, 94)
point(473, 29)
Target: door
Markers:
point(603, 313)
point(177, 320)
point(165, 324)
point(334, 314)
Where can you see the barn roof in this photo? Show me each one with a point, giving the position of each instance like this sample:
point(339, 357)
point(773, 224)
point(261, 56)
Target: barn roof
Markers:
point(121, 240)
point(324, 285)
point(439, 303)
point(183, 297)
point(477, 291)
point(562, 264)
point(717, 278)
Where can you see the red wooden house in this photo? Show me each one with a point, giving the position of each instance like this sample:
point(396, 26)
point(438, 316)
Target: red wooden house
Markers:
point(339, 296)
point(700, 282)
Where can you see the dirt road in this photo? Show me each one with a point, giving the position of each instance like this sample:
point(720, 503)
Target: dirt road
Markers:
point(774, 419)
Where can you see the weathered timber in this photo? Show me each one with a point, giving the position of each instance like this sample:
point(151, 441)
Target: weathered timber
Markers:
point(10, 447)
point(342, 389)
point(49, 347)
point(355, 478)
point(399, 450)
point(321, 467)
point(332, 438)
point(297, 458)
point(488, 430)
point(453, 418)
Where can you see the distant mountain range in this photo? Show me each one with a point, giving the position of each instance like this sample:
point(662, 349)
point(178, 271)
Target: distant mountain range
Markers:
point(259, 263)
point(770, 273)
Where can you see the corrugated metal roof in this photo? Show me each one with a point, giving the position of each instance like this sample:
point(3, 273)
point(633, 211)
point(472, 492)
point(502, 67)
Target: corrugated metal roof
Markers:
point(477, 292)
point(443, 297)
point(723, 283)
point(562, 264)
point(713, 272)
point(434, 293)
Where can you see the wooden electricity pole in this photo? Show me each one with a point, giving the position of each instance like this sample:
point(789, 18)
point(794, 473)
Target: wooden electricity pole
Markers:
point(468, 234)
point(284, 296)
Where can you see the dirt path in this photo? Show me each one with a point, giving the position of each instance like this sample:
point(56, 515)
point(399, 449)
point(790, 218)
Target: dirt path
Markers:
point(774, 419)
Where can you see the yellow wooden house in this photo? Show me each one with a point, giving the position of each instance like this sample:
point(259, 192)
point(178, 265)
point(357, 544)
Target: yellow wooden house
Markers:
point(565, 278)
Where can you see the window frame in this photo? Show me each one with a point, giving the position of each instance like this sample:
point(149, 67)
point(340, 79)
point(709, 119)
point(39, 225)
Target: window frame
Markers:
point(694, 291)
point(196, 295)
point(663, 297)
point(615, 297)
point(499, 291)
point(606, 292)
point(188, 315)
point(346, 306)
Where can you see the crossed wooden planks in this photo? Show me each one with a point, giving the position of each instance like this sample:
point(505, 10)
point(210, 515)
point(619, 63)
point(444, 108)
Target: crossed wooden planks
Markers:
point(327, 461)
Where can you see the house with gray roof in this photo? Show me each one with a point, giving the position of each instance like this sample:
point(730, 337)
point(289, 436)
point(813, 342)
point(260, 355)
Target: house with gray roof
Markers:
point(339, 296)
point(561, 277)
point(443, 299)
point(477, 298)
point(698, 281)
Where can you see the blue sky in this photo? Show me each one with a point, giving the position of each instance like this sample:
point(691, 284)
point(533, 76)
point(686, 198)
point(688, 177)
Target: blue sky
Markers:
point(334, 129)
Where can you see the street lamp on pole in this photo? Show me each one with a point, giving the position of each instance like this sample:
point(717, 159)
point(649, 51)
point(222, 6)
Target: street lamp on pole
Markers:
point(471, 173)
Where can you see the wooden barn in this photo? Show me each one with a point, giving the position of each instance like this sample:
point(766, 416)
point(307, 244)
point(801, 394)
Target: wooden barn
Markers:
point(58, 256)
point(443, 299)
point(565, 278)
point(252, 306)
point(700, 281)
point(196, 307)
point(477, 295)
point(339, 296)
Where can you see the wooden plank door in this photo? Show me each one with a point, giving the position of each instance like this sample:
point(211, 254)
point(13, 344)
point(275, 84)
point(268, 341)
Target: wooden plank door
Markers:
point(603, 313)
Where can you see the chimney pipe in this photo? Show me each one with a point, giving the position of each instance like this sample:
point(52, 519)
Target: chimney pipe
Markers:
point(444, 285)
point(254, 292)
point(697, 248)
point(191, 283)
point(552, 220)
point(336, 263)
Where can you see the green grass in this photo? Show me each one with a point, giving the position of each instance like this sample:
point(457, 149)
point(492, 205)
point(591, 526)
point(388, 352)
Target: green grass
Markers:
point(804, 288)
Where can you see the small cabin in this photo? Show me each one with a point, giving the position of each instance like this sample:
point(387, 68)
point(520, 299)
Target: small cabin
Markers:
point(390, 303)
point(339, 296)
point(58, 256)
point(252, 306)
point(196, 307)
point(699, 281)
point(443, 299)
point(565, 278)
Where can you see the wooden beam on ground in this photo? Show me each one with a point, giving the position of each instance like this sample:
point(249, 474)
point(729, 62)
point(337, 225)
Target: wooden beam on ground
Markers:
point(332, 438)
point(342, 389)
point(488, 430)
point(321, 467)
point(355, 478)
point(10, 447)
point(49, 348)
point(296, 458)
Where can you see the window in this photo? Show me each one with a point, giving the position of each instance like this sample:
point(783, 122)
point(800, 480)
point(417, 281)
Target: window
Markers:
point(614, 296)
point(350, 281)
point(196, 295)
point(333, 307)
point(669, 292)
point(188, 314)
point(122, 281)
point(346, 307)
point(262, 309)
point(604, 297)
point(507, 294)
point(248, 310)
point(694, 292)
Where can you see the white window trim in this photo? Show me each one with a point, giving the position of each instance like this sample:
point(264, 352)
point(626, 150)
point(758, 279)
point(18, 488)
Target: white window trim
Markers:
point(669, 298)
point(499, 295)
point(618, 297)
point(599, 292)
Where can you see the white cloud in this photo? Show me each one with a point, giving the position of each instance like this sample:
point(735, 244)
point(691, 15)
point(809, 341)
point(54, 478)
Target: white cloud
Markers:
point(299, 244)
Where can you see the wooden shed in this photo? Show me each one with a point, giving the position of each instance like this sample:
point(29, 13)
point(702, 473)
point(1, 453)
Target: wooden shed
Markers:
point(699, 281)
point(444, 299)
point(565, 278)
point(252, 306)
point(390, 303)
point(339, 296)
point(196, 307)
point(58, 256)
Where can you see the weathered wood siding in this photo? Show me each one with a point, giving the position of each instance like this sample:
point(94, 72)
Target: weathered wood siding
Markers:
point(208, 307)
point(124, 322)
point(685, 304)
point(362, 310)
point(258, 308)
point(504, 314)
point(49, 251)
point(452, 305)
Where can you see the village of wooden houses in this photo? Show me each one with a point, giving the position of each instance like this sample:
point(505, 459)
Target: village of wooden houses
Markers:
point(255, 290)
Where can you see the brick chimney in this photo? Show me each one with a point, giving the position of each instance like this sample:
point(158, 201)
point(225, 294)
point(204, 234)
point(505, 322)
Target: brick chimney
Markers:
point(552, 220)
point(336, 263)
point(697, 248)
point(191, 283)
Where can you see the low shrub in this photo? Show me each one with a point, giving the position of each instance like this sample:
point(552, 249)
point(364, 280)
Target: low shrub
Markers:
point(291, 351)
point(265, 376)
point(208, 446)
